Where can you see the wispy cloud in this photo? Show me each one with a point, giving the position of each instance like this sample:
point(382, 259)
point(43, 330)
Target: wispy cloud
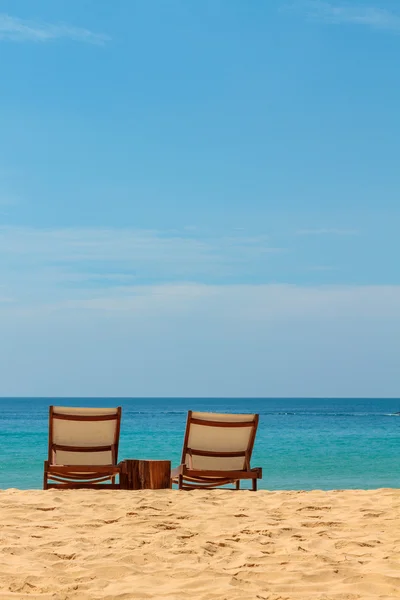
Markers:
point(21, 30)
point(328, 231)
point(239, 303)
point(102, 244)
point(41, 263)
point(353, 13)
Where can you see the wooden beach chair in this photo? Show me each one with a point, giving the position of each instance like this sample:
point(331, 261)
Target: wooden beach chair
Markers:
point(83, 448)
point(217, 451)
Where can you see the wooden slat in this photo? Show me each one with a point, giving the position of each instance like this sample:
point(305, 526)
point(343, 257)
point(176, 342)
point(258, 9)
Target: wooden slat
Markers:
point(231, 474)
point(79, 479)
point(205, 482)
point(205, 486)
point(84, 486)
point(66, 417)
point(82, 476)
point(50, 440)
point(186, 438)
point(216, 454)
point(205, 479)
point(82, 448)
point(117, 434)
point(252, 439)
point(200, 480)
point(84, 469)
point(221, 423)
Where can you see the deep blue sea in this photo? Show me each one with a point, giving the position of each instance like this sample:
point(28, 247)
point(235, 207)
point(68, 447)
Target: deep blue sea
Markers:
point(300, 444)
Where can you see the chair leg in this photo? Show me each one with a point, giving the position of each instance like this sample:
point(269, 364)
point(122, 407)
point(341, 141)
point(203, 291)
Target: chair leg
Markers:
point(180, 482)
point(45, 479)
point(238, 484)
point(254, 485)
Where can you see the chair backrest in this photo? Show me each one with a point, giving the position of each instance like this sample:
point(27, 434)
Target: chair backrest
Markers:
point(219, 442)
point(84, 436)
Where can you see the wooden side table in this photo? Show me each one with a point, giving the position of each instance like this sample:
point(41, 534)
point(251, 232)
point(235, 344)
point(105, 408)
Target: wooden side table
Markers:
point(145, 474)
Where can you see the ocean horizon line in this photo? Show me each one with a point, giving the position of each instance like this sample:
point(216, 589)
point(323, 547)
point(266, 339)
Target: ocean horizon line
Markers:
point(180, 397)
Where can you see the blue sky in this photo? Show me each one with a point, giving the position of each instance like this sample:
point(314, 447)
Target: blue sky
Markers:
point(199, 198)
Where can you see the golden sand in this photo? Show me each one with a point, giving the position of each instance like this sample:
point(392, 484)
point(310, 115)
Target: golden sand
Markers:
point(199, 545)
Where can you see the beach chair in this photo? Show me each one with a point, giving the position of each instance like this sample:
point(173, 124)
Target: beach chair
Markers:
point(83, 448)
point(217, 451)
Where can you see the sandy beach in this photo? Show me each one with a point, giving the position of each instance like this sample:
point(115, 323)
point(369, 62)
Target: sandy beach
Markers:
point(204, 545)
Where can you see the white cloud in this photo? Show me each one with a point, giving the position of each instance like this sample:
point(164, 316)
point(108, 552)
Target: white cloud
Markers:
point(328, 231)
point(254, 303)
point(99, 244)
point(240, 303)
point(45, 262)
point(351, 13)
point(21, 30)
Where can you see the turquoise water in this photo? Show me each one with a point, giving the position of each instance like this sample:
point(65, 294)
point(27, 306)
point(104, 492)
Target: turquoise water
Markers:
point(301, 444)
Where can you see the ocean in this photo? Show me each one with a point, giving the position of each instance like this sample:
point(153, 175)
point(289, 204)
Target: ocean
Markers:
point(301, 444)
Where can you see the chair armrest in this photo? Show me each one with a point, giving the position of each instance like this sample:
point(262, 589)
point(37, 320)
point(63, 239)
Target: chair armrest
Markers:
point(259, 472)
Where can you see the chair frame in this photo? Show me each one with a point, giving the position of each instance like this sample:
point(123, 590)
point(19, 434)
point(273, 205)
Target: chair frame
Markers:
point(188, 478)
point(82, 476)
